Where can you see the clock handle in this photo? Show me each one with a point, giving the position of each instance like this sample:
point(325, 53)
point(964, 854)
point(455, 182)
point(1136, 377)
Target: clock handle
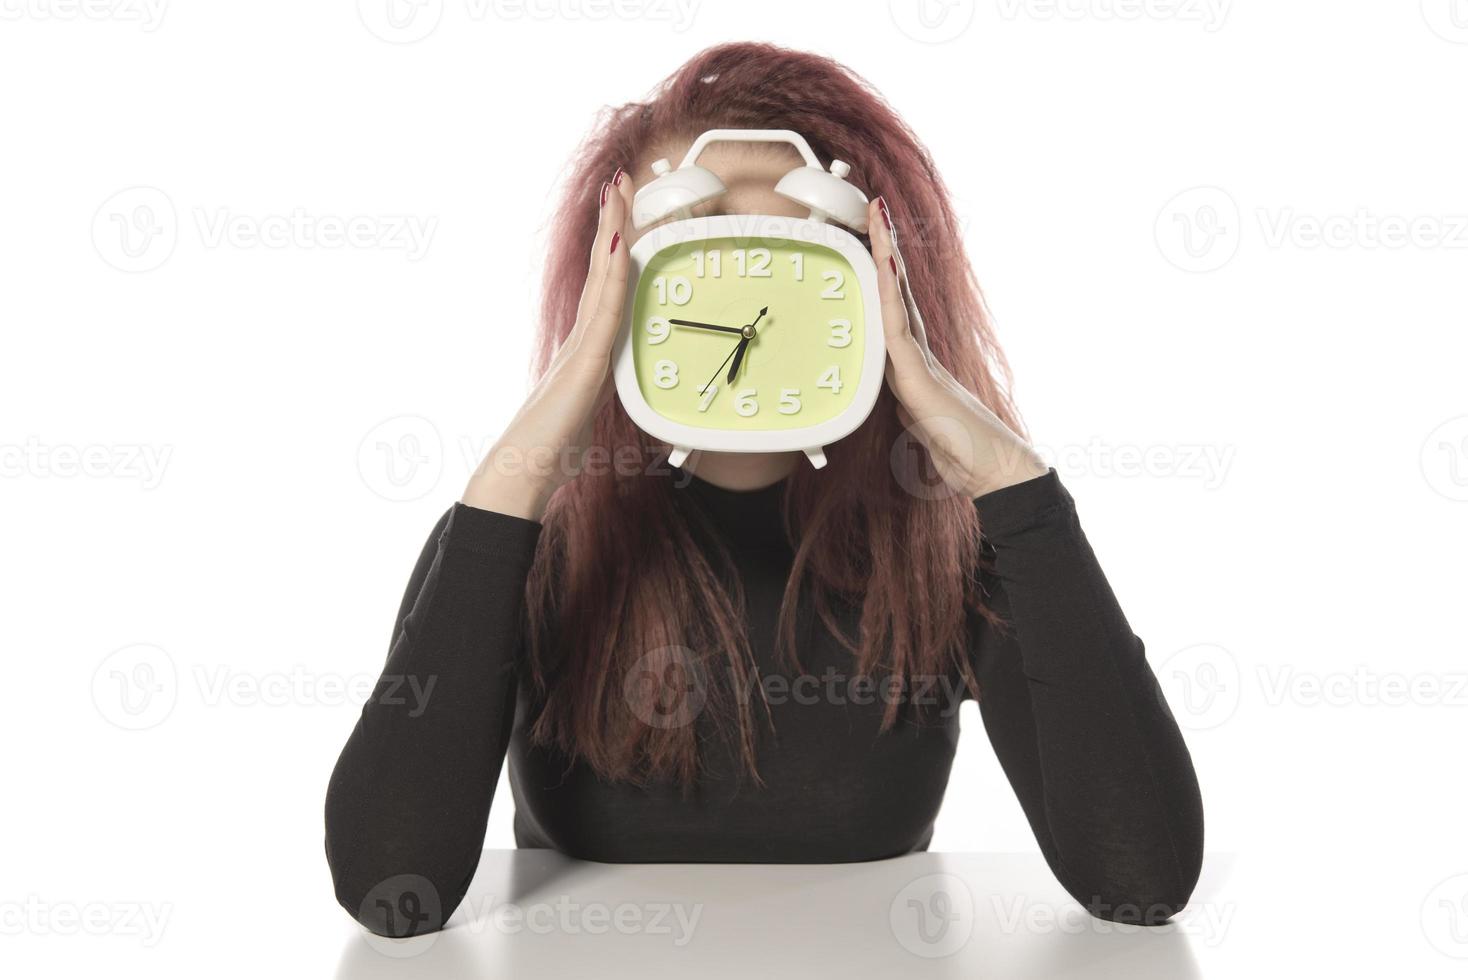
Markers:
point(678, 455)
point(752, 136)
point(817, 456)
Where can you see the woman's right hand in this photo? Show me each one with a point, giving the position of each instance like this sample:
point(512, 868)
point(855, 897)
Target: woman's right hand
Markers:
point(541, 449)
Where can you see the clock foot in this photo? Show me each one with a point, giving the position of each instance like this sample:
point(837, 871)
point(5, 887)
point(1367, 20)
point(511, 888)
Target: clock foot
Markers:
point(678, 455)
point(817, 456)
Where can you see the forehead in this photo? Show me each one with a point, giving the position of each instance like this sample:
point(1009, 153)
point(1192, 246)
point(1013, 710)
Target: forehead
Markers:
point(749, 171)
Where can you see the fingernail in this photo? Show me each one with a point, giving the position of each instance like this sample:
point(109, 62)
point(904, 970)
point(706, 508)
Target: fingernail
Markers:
point(617, 177)
point(604, 188)
point(891, 260)
point(616, 237)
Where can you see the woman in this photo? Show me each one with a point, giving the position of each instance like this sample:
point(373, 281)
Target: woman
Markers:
point(749, 659)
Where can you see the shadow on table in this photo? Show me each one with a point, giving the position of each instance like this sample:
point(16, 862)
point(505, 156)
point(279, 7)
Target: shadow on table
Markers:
point(532, 913)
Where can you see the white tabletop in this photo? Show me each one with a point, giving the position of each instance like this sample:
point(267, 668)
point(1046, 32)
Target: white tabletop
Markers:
point(533, 913)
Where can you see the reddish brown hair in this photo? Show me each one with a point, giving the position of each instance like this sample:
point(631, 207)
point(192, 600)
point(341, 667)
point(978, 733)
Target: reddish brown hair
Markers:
point(618, 571)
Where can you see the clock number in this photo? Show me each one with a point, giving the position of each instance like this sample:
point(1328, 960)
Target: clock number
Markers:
point(789, 401)
point(755, 262)
point(715, 269)
point(840, 333)
point(831, 378)
point(707, 397)
point(744, 402)
point(797, 259)
point(658, 330)
point(836, 289)
point(679, 289)
point(665, 374)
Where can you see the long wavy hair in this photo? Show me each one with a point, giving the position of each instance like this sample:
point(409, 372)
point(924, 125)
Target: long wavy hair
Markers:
point(619, 586)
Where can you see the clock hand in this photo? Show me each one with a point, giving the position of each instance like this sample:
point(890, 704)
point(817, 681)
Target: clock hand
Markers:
point(710, 381)
point(749, 335)
point(705, 326)
point(738, 359)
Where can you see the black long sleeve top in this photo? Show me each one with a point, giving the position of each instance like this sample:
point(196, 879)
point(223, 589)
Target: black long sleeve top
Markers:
point(1070, 705)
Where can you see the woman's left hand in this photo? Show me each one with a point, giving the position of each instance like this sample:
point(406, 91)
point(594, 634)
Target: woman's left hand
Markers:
point(974, 451)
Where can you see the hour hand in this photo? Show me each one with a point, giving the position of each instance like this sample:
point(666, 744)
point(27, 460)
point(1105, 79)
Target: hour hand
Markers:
point(705, 326)
point(738, 359)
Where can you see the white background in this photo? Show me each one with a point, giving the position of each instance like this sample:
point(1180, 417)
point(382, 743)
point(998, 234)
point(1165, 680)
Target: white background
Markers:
point(1284, 358)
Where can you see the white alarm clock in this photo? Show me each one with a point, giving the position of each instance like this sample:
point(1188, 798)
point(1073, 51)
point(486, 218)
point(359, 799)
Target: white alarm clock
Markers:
point(750, 333)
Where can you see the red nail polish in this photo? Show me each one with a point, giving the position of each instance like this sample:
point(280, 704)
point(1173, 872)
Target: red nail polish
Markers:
point(617, 177)
point(886, 217)
point(892, 261)
point(616, 237)
point(604, 188)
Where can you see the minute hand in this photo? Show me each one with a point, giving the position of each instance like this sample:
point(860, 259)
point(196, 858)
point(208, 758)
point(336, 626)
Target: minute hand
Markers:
point(705, 326)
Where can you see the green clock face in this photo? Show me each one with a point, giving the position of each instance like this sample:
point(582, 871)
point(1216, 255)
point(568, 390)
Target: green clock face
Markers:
point(748, 334)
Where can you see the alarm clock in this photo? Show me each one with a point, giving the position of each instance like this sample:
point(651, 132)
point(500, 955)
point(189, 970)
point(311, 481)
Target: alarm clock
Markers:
point(746, 332)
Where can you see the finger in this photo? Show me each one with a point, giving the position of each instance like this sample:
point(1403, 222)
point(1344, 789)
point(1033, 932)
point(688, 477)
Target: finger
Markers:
point(596, 264)
point(606, 316)
point(902, 347)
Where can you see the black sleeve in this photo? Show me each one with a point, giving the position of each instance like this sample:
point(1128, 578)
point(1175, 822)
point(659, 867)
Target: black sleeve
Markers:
point(1077, 718)
point(409, 798)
